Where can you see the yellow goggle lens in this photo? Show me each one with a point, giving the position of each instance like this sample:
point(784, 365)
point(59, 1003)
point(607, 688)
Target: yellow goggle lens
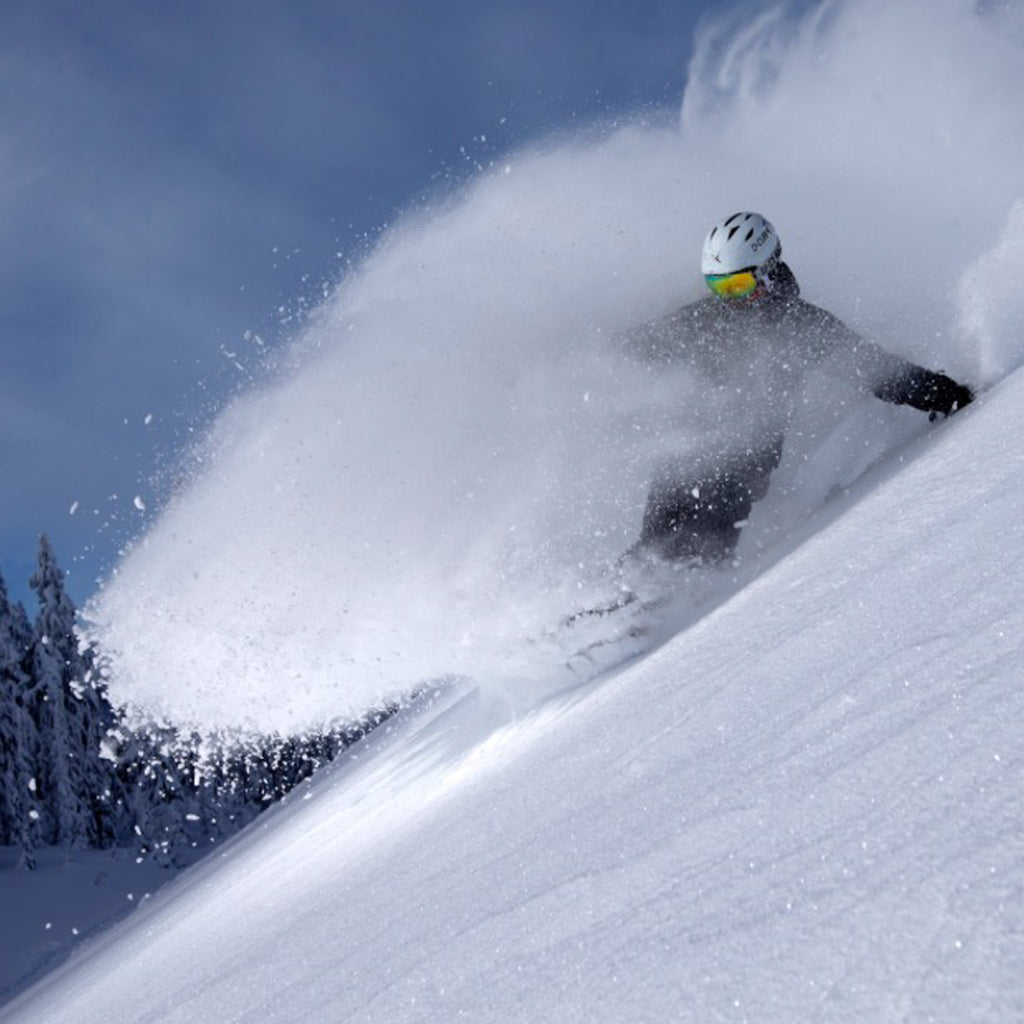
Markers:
point(732, 286)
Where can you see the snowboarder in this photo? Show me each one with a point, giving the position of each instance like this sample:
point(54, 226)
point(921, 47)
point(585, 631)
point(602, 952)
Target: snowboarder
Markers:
point(752, 342)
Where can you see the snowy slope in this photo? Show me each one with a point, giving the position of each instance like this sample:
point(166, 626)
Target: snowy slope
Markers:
point(804, 806)
point(807, 806)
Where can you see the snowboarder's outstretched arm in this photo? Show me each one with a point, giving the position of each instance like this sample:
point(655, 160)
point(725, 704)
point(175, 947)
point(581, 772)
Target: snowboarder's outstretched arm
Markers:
point(887, 376)
point(702, 328)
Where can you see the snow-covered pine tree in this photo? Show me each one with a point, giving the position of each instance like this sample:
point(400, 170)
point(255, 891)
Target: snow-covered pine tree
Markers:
point(11, 801)
point(71, 717)
point(19, 813)
point(97, 720)
point(22, 632)
point(157, 769)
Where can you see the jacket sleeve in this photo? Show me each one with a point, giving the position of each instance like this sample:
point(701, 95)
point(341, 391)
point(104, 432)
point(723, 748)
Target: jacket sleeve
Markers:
point(885, 375)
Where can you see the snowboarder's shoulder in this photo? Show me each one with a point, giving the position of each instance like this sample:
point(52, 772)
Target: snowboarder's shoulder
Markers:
point(663, 336)
point(693, 317)
point(699, 309)
point(807, 314)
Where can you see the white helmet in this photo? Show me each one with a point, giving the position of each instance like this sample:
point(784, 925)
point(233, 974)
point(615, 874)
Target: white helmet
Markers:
point(744, 241)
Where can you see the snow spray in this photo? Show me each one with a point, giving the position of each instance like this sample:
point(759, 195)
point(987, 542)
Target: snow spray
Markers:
point(458, 448)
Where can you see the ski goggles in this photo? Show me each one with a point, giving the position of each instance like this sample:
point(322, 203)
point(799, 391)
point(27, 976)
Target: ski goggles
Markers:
point(740, 285)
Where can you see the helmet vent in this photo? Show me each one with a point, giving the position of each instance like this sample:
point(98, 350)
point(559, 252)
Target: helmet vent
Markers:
point(750, 235)
point(733, 230)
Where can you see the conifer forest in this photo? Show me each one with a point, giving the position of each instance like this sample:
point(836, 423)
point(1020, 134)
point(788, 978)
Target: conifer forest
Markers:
point(77, 773)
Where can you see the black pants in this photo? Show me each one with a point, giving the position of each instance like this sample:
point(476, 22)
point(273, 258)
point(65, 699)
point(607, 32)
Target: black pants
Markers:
point(696, 510)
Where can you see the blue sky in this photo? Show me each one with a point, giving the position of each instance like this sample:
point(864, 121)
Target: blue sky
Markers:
point(176, 178)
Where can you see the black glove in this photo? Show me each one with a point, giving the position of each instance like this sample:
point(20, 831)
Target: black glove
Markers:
point(945, 396)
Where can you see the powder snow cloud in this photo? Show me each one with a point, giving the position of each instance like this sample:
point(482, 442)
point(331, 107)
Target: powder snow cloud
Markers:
point(456, 447)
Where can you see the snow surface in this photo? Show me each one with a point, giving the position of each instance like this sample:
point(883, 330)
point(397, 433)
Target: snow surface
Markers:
point(69, 897)
point(807, 802)
point(807, 806)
